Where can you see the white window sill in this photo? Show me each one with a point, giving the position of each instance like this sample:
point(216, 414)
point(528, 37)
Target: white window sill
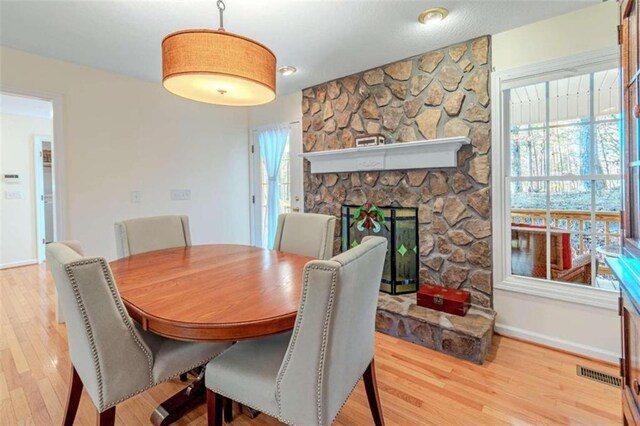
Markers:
point(574, 293)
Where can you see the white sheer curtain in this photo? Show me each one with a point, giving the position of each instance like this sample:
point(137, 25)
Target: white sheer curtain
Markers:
point(273, 142)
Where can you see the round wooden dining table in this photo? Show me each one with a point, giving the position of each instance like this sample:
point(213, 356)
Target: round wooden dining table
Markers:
point(212, 292)
point(209, 293)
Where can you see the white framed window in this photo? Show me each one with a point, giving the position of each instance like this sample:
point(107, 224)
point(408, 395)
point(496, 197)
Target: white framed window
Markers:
point(557, 182)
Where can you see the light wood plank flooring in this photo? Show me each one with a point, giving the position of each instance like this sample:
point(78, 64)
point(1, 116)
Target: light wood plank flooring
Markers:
point(520, 384)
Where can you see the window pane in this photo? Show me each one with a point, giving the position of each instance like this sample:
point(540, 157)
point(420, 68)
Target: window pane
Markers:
point(608, 196)
point(604, 276)
point(570, 257)
point(527, 151)
point(574, 195)
point(634, 178)
point(569, 99)
point(528, 251)
point(529, 195)
point(528, 106)
point(573, 221)
point(607, 155)
point(285, 182)
point(570, 149)
point(606, 96)
point(608, 246)
point(633, 123)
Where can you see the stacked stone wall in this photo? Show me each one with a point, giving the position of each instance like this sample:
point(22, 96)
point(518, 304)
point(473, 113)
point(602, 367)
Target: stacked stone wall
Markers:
point(439, 94)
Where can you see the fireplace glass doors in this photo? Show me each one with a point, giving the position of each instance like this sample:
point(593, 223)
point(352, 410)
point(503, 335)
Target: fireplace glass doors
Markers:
point(399, 225)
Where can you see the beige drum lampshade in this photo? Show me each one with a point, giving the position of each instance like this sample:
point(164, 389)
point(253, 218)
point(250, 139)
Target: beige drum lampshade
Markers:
point(218, 67)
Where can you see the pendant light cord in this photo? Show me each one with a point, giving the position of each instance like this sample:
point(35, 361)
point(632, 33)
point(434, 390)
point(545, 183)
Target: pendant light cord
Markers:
point(221, 8)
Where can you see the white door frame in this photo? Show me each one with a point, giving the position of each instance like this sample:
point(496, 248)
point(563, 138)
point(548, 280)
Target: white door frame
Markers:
point(58, 151)
point(297, 175)
point(39, 194)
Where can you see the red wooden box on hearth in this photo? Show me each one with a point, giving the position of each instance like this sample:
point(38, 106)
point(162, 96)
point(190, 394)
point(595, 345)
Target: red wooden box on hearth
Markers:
point(444, 299)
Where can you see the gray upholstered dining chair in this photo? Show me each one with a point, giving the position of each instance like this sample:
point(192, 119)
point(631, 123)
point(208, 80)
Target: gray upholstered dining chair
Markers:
point(308, 234)
point(111, 356)
point(145, 234)
point(305, 376)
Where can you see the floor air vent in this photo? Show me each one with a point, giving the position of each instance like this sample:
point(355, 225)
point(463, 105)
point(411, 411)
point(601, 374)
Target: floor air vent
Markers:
point(599, 376)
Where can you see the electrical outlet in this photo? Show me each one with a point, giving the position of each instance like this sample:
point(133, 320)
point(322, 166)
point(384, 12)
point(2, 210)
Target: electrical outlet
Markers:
point(136, 196)
point(13, 195)
point(180, 194)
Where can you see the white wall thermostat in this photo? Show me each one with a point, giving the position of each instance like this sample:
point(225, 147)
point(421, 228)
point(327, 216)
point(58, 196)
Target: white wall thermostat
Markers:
point(11, 178)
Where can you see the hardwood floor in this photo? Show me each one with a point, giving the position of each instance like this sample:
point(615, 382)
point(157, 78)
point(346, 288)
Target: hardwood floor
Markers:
point(520, 384)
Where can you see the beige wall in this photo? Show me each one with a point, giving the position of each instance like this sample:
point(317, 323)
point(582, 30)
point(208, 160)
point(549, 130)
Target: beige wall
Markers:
point(121, 134)
point(584, 30)
point(284, 109)
point(18, 216)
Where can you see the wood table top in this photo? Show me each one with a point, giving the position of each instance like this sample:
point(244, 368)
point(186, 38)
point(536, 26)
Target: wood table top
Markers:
point(212, 292)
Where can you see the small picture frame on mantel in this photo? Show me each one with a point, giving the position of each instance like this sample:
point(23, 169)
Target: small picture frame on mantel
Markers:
point(369, 140)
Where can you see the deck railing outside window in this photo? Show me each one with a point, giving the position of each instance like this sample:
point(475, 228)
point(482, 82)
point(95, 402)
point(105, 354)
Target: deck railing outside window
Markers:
point(579, 223)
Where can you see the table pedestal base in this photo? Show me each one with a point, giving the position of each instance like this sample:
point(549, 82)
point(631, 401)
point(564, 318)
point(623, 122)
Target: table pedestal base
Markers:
point(249, 412)
point(181, 403)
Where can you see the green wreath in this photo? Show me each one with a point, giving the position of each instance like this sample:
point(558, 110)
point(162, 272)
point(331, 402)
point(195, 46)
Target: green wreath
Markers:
point(368, 217)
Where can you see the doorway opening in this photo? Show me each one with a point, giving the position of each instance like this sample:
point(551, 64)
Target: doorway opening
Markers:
point(28, 184)
point(44, 184)
point(276, 181)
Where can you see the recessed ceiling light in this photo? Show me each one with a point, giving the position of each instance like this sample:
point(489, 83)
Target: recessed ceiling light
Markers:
point(287, 70)
point(433, 15)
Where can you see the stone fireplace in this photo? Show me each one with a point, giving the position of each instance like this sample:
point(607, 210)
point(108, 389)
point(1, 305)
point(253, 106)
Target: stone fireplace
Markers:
point(400, 228)
point(444, 93)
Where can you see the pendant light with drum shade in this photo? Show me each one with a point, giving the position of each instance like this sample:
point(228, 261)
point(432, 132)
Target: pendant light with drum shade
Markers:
point(218, 67)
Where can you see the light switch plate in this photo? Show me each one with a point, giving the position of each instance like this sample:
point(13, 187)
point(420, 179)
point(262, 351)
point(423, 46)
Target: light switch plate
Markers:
point(13, 195)
point(180, 194)
point(136, 196)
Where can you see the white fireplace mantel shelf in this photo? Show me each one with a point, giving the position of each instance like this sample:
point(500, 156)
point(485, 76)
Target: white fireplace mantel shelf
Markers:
point(425, 154)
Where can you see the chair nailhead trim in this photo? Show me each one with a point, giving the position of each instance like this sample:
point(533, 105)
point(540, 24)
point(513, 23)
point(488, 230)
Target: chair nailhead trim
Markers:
point(296, 331)
point(323, 350)
point(125, 318)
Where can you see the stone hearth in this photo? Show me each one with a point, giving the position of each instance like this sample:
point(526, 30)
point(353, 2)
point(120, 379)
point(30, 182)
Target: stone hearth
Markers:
point(467, 337)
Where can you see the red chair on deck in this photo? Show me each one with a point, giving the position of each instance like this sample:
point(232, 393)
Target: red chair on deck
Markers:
point(529, 255)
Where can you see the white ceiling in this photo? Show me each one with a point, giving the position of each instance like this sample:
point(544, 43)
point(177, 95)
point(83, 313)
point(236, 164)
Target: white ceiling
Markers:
point(30, 107)
point(323, 39)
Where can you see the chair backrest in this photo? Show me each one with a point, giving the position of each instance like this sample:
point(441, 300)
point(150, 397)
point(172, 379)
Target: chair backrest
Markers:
point(145, 234)
point(309, 234)
point(333, 340)
point(106, 350)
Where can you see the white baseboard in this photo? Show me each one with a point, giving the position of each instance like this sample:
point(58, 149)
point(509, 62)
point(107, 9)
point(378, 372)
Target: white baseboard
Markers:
point(577, 348)
point(18, 263)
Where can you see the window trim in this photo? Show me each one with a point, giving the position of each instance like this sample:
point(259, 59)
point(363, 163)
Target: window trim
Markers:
point(500, 81)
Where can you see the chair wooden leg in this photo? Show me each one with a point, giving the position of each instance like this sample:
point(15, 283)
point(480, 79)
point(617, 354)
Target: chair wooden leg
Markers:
point(228, 410)
point(107, 418)
point(214, 408)
point(371, 387)
point(73, 398)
